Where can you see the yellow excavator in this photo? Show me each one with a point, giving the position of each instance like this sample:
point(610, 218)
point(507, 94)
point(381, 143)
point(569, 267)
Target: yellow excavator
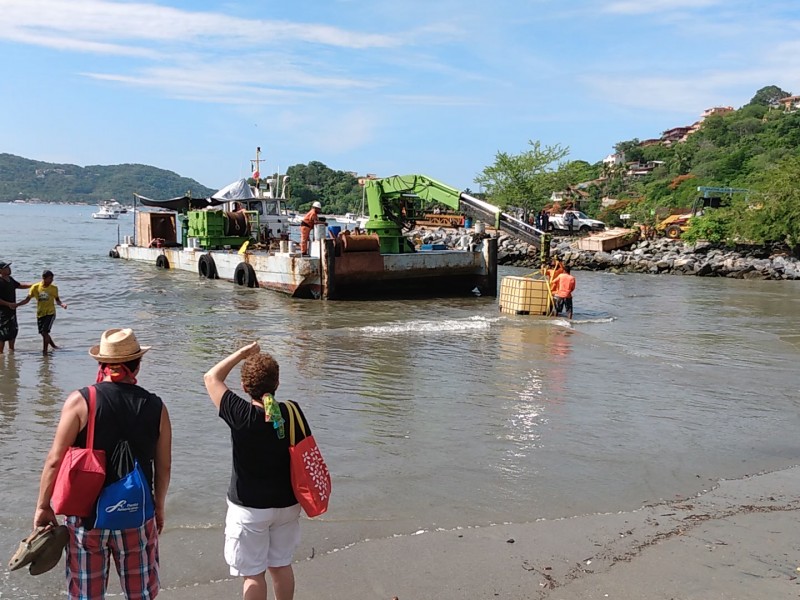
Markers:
point(673, 226)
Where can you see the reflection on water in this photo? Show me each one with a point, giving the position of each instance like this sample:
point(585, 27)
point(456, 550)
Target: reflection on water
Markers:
point(9, 390)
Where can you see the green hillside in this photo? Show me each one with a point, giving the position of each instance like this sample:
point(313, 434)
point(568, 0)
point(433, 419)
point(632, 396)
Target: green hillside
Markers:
point(756, 147)
point(22, 178)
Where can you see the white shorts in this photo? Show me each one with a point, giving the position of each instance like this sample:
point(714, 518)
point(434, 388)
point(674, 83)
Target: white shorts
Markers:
point(258, 538)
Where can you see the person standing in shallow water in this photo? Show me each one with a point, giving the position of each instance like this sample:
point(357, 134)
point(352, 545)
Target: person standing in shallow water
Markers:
point(8, 306)
point(262, 526)
point(565, 285)
point(46, 295)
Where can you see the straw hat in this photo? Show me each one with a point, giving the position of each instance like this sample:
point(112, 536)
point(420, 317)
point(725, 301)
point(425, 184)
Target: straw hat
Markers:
point(117, 346)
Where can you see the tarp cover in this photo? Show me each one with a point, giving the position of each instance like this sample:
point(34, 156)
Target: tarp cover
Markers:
point(238, 190)
point(181, 204)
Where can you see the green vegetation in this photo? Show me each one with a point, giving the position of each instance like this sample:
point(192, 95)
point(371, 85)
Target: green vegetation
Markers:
point(755, 147)
point(23, 179)
point(337, 191)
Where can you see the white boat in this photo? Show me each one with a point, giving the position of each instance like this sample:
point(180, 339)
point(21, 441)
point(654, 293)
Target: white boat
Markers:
point(115, 206)
point(352, 219)
point(105, 212)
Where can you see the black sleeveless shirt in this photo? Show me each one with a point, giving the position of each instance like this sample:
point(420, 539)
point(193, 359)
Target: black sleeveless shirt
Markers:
point(125, 412)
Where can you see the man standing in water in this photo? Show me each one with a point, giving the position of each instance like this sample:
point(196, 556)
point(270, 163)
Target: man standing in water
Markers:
point(46, 295)
point(565, 285)
point(8, 306)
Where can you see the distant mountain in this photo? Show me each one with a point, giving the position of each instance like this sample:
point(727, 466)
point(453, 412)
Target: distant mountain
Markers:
point(22, 178)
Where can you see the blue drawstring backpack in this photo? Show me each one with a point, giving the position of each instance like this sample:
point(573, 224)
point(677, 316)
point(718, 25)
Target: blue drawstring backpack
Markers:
point(127, 503)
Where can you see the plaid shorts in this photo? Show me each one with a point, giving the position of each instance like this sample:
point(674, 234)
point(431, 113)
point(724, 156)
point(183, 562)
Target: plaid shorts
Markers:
point(135, 553)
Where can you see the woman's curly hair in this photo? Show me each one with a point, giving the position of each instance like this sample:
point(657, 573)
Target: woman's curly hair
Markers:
point(260, 375)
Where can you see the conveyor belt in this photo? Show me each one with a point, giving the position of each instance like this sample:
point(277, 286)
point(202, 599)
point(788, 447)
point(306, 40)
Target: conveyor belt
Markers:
point(505, 222)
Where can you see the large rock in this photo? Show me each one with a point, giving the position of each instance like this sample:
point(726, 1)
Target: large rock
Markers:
point(657, 256)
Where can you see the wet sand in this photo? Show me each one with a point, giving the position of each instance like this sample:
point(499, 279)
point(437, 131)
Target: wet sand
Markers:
point(736, 541)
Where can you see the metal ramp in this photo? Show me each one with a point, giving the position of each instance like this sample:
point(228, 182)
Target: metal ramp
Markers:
point(506, 222)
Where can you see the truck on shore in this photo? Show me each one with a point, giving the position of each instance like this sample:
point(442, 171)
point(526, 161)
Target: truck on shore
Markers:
point(580, 222)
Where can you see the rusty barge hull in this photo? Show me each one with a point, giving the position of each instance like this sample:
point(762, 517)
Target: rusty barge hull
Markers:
point(327, 275)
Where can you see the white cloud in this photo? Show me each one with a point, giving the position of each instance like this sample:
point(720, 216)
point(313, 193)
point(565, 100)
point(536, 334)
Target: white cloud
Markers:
point(640, 7)
point(140, 22)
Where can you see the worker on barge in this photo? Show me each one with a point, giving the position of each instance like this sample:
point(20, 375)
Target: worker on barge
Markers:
point(307, 224)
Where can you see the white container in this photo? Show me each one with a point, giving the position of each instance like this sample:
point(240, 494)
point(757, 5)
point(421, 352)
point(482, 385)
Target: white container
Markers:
point(320, 231)
point(479, 227)
point(193, 242)
point(285, 246)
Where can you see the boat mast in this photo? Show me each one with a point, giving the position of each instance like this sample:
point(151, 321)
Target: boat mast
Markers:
point(255, 168)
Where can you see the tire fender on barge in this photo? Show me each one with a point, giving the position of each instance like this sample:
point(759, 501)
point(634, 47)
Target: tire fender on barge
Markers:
point(206, 267)
point(245, 275)
point(162, 262)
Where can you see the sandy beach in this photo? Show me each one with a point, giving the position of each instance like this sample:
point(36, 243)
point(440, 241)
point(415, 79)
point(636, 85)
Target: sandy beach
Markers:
point(736, 541)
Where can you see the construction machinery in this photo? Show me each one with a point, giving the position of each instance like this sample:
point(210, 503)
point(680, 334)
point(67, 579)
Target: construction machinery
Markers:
point(673, 226)
point(396, 203)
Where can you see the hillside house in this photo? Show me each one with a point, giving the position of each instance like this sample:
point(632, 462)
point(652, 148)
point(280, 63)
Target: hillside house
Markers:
point(790, 103)
point(614, 160)
point(716, 110)
point(676, 134)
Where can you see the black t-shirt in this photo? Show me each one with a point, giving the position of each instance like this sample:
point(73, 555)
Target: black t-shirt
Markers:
point(8, 292)
point(260, 477)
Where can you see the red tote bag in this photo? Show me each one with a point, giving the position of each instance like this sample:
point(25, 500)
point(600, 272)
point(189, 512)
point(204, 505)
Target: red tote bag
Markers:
point(82, 473)
point(311, 480)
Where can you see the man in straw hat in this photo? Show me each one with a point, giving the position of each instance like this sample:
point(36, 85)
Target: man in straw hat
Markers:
point(124, 412)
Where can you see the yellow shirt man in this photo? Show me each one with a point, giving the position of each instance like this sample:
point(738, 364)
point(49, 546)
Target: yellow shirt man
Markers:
point(45, 296)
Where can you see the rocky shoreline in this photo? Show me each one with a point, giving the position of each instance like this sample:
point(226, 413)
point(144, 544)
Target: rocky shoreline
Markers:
point(660, 256)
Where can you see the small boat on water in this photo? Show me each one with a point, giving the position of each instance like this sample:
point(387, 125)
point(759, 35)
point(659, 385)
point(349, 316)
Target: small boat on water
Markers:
point(115, 206)
point(241, 234)
point(105, 213)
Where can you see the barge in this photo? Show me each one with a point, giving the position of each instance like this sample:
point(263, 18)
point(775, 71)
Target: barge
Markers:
point(241, 234)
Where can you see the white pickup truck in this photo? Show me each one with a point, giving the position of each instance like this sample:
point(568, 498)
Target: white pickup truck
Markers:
point(580, 222)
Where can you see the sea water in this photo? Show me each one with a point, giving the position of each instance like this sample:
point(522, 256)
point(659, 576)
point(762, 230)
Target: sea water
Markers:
point(430, 413)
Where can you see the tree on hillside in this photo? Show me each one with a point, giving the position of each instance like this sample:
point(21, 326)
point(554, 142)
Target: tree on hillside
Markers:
point(630, 150)
point(775, 217)
point(524, 179)
point(338, 191)
point(769, 96)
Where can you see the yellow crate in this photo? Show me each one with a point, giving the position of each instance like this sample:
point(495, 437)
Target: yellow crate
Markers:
point(524, 296)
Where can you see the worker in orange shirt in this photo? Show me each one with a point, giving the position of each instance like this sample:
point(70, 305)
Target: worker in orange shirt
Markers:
point(307, 224)
point(565, 285)
point(554, 270)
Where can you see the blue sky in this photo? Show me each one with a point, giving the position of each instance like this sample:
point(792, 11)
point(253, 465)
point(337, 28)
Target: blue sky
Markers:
point(390, 87)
